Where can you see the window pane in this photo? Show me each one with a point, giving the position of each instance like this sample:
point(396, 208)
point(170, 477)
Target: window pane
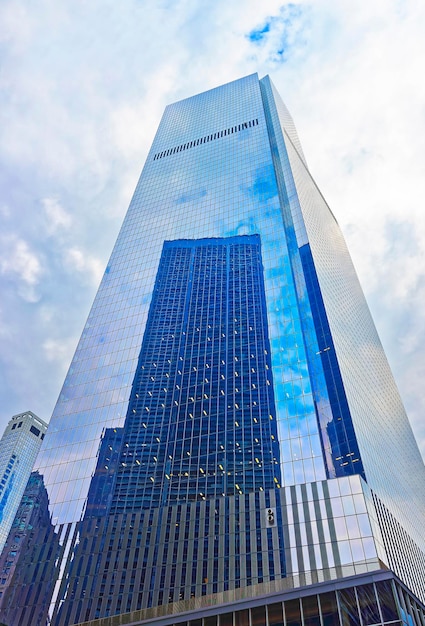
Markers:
point(329, 609)
point(411, 606)
point(310, 611)
point(386, 600)
point(349, 612)
point(368, 604)
point(275, 613)
point(242, 618)
point(293, 613)
point(258, 616)
point(226, 619)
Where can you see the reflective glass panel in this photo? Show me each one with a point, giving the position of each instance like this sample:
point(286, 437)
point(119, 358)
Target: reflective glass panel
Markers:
point(368, 604)
point(329, 609)
point(310, 611)
point(386, 600)
point(226, 619)
point(293, 612)
point(258, 616)
point(275, 614)
point(242, 618)
point(349, 610)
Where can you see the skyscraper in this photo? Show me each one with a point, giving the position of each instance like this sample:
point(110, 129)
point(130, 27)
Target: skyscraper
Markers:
point(229, 446)
point(19, 447)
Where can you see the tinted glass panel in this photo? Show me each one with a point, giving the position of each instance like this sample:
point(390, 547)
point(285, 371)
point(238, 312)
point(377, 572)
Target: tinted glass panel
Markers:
point(226, 619)
point(413, 616)
point(275, 614)
point(35, 431)
point(310, 611)
point(329, 609)
point(368, 604)
point(386, 600)
point(258, 616)
point(348, 603)
point(293, 613)
point(242, 618)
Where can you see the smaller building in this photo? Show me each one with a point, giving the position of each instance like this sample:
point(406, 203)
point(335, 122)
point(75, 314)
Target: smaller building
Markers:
point(19, 447)
point(31, 516)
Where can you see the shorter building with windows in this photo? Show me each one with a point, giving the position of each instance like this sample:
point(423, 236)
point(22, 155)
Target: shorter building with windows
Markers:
point(31, 522)
point(19, 447)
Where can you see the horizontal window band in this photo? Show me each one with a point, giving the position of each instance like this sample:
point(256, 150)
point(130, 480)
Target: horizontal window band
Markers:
point(207, 138)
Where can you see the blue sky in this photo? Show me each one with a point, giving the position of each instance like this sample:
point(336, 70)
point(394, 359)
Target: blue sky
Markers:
point(82, 89)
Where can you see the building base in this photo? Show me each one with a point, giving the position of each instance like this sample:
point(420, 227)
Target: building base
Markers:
point(378, 598)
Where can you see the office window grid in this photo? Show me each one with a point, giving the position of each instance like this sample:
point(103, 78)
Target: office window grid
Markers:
point(337, 433)
point(201, 420)
point(339, 430)
point(170, 554)
point(398, 544)
point(18, 450)
point(195, 549)
point(368, 383)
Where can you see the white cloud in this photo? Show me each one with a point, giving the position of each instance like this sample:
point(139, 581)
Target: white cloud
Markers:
point(78, 260)
point(18, 262)
point(18, 259)
point(5, 211)
point(57, 216)
point(59, 350)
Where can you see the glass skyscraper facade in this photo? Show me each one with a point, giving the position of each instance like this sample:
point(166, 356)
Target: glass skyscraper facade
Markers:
point(201, 419)
point(229, 446)
point(19, 447)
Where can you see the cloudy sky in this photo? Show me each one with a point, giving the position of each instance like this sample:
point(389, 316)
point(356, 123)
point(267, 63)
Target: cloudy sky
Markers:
point(82, 89)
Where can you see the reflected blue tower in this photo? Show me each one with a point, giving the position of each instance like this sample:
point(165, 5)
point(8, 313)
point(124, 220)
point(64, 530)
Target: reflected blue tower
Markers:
point(201, 421)
point(219, 453)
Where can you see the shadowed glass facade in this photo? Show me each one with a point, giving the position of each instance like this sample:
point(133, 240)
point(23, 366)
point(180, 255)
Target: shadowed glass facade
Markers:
point(225, 426)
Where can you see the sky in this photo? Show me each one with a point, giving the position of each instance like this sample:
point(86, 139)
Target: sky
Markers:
point(82, 89)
